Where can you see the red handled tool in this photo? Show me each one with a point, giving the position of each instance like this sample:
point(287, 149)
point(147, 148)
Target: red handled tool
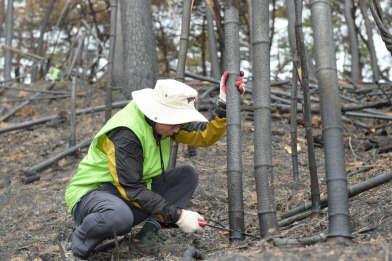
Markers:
point(203, 223)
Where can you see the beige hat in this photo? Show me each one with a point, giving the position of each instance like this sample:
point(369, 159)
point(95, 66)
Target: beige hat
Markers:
point(170, 102)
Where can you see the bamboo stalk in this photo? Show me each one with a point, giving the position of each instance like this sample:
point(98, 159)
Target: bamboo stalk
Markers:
point(335, 165)
point(303, 76)
point(263, 167)
point(233, 115)
point(72, 140)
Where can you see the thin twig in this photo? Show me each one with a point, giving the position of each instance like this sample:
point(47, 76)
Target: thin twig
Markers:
point(352, 150)
point(61, 251)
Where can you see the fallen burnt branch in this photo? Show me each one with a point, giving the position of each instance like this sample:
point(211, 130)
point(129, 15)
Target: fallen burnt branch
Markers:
point(21, 53)
point(291, 220)
point(32, 90)
point(20, 106)
point(212, 80)
point(293, 242)
point(379, 104)
point(352, 191)
point(52, 117)
point(33, 171)
point(369, 115)
point(44, 98)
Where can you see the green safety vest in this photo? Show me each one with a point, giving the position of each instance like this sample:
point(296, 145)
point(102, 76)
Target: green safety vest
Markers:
point(93, 170)
point(55, 75)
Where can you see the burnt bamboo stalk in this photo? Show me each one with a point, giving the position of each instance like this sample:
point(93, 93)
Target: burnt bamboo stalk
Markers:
point(351, 192)
point(263, 168)
point(304, 79)
point(109, 76)
point(52, 117)
point(335, 164)
point(72, 141)
point(293, 125)
point(41, 38)
point(180, 72)
point(234, 145)
point(20, 106)
point(294, 88)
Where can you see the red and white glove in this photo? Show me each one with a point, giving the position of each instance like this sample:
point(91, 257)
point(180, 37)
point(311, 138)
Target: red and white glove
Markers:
point(239, 83)
point(189, 221)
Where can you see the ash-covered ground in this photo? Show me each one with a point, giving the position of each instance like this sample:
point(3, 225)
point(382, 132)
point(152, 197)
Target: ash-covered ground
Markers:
point(35, 219)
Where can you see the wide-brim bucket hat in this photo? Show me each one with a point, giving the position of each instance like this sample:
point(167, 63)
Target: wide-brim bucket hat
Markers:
point(170, 102)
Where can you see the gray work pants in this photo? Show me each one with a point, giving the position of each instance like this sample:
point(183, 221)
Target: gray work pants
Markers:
point(102, 209)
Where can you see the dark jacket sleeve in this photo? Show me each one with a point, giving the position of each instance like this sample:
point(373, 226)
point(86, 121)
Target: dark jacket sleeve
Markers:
point(128, 172)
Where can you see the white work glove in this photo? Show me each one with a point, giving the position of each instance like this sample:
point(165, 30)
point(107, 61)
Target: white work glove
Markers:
point(189, 221)
point(239, 83)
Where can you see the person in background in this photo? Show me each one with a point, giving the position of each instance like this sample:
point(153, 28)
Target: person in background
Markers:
point(55, 73)
point(124, 179)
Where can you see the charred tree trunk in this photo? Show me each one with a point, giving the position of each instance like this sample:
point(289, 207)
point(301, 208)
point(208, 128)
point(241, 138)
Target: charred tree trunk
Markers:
point(140, 61)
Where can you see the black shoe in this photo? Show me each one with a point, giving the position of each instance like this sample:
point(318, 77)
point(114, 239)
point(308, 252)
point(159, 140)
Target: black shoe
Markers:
point(69, 255)
point(68, 242)
point(151, 244)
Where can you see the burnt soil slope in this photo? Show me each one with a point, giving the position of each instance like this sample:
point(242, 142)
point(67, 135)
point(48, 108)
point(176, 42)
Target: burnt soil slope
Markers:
point(34, 217)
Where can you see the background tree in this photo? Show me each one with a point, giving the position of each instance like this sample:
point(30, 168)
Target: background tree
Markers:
point(1, 15)
point(44, 25)
point(90, 19)
point(349, 13)
point(140, 62)
point(8, 39)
